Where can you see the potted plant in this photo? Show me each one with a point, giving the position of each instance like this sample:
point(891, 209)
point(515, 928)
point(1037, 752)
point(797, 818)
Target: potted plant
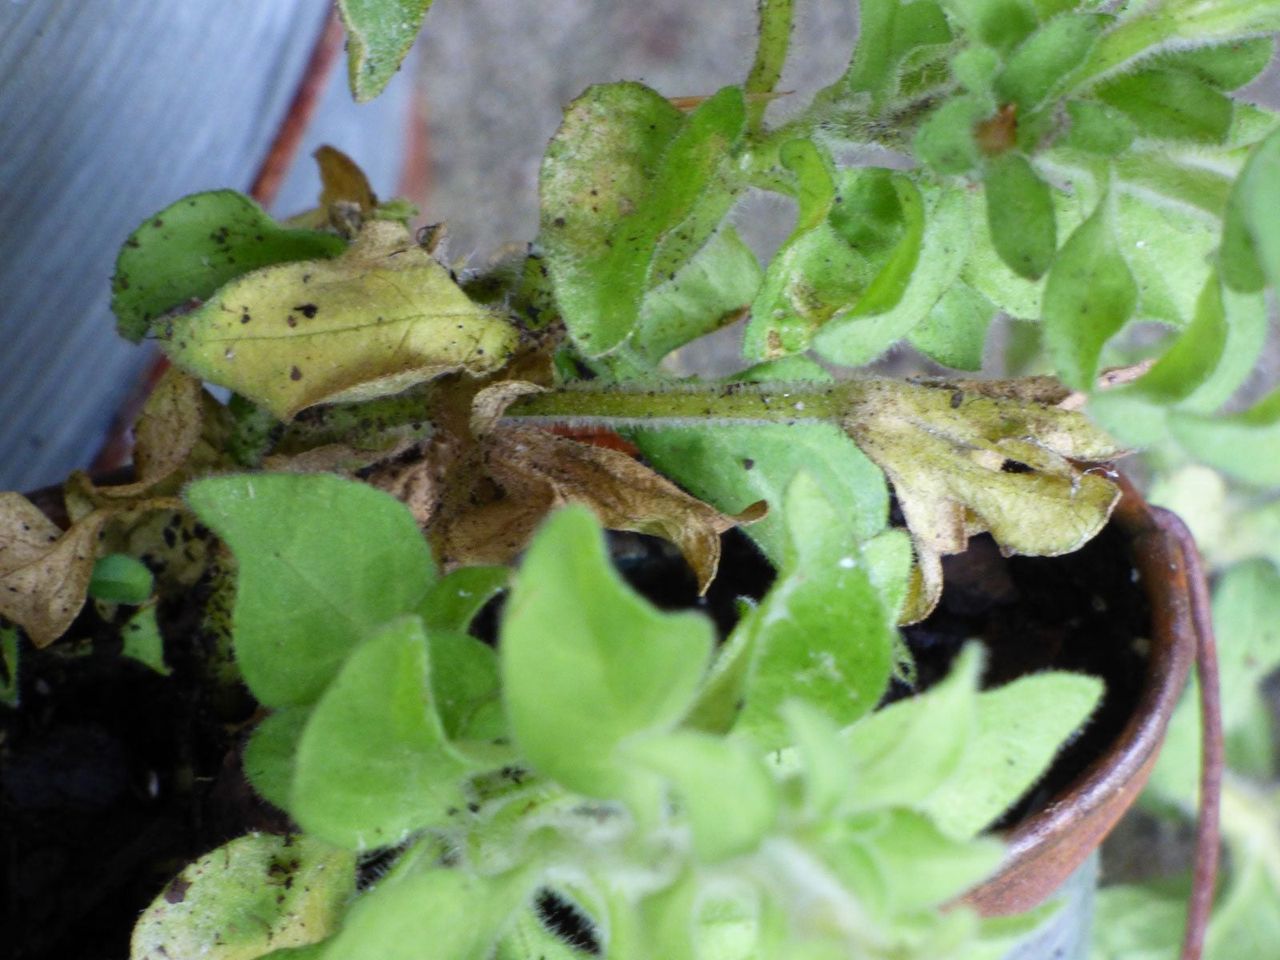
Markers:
point(601, 769)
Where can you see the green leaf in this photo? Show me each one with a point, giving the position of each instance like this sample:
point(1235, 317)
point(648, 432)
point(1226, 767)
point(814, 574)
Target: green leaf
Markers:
point(1045, 60)
point(1097, 128)
point(800, 652)
point(1170, 105)
point(945, 140)
point(814, 273)
point(586, 663)
point(1251, 235)
point(997, 23)
point(250, 896)
point(856, 338)
point(460, 915)
point(270, 757)
point(454, 600)
point(905, 752)
point(1089, 295)
point(1020, 215)
point(120, 578)
point(1169, 250)
point(898, 862)
point(194, 246)
point(464, 686)
point(889, 31)
point(9, 686)
point(142, 640)
point(1194, 354)
point(373, 764)
point(1020, 728)
point(1244, 445)
point(732, 467)
point(704, 770)
point(322, 562)
point(631, 190)
point(378, 319)
point(954, 333)
point(379, 35)
point(713, 288)
point(1227, 66)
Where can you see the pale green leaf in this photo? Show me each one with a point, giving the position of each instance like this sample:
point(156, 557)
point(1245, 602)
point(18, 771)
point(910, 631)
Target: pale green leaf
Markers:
point(800, 652)
point(945, 140)
point(713, 288)
point(1194, 355)
point(459, 915)
point(322, 563)
point(631, 190)
point(1227, 66)
point(378, 319)
point(464, 686)
point(733, 467)
point(194, 246)
point(1245, 445)
point(141, 640)
point(454, 600)
point(1251, 235)
point(586, 663)
point(954, 333)
point(703, 771)
point(379, 35)
point(270, 755)
point(1089, 294)
point(373, 763)
point(905, 752)
point(853, 338)
point(1097, 128)
point(1020, 728)
point(250, 896)
point(888, 32)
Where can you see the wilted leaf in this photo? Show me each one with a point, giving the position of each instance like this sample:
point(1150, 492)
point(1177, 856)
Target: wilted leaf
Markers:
point(342, 180)
point(44, 572)
point(379, 35)
point(985, 456)
point(194, 246)
point(536, 471)
point(375, 321)
point(250, 896)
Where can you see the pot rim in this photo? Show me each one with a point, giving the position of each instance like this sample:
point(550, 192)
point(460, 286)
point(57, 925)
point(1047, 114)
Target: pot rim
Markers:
point(1047, 847)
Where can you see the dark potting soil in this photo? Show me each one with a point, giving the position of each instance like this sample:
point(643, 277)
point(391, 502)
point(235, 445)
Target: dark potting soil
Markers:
point(113, 777)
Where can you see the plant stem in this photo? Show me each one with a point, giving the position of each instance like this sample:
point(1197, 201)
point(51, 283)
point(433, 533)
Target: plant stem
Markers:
point(775, 18)
point(688, 405)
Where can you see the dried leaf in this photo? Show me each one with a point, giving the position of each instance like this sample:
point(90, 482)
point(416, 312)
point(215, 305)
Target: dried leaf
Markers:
point(991, 458)
point(44, 572)
point(532, 472)
point(342, 180)
point(375, 321)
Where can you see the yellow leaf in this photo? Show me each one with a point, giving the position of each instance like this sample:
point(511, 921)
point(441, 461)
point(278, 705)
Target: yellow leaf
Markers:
point(973, 457)
point(374, 321)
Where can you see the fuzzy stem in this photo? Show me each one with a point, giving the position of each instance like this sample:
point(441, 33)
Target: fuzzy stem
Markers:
point(771, 53)
point(686, 405)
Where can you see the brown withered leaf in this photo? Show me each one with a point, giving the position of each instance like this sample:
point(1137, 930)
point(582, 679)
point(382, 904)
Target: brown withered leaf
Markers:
point(991, 456)
point(44, 572)
point(533, 472)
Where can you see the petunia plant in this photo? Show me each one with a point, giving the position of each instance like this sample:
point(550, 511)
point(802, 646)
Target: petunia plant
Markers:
point(409, 445)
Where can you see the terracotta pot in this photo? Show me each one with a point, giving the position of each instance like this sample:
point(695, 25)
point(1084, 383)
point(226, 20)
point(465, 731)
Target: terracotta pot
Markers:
point(1051, 844)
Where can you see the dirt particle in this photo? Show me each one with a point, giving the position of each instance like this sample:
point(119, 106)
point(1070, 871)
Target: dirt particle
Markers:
point(176, 892)
point(308, 310)
point(295, 373)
